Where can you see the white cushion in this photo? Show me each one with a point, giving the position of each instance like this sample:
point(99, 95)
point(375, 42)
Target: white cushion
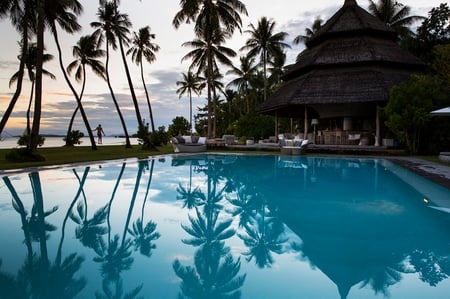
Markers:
point(187, 139)
point(201, 140)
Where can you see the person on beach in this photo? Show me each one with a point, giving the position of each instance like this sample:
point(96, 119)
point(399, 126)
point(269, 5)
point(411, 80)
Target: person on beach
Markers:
point(100, 133)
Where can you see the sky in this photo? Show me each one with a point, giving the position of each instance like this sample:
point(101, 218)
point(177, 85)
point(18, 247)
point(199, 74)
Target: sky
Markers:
point(291, 16)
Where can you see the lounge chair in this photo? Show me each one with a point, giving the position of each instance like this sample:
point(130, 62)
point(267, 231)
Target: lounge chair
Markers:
point(293, 147)
point(188, 144)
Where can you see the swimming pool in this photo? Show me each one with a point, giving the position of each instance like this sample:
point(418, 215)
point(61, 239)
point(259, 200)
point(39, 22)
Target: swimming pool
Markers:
point(224, 226)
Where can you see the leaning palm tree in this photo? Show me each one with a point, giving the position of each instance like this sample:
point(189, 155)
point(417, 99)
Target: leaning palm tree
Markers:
point(120, 28)
point(86, 53)
point(210, 17)
point(104, 32)
point(266, 43)
point(395, 15)
point(64, 13)
point(144, 48)
point(30, 63)
point(190, 83)
point(20, 15)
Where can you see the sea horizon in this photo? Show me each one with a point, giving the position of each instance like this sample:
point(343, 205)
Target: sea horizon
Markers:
point(57, 141)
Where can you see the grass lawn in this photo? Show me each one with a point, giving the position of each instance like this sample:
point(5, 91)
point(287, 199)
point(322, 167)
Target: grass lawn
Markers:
point(67, 155)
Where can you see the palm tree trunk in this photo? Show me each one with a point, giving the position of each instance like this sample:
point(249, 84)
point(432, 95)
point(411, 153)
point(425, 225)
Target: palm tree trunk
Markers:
point(265, 73)
point(190, 108)
point(122, 121)
point(72, 119)
point(148, 99)
point(80, 106)
point(34, 136)
point(29, 109)
point(130, 84)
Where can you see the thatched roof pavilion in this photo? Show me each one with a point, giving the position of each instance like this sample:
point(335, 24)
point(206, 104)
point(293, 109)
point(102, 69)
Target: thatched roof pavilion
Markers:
point(347, 69)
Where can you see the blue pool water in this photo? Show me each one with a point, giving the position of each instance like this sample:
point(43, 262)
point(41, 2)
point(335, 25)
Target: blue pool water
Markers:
point(224, 226)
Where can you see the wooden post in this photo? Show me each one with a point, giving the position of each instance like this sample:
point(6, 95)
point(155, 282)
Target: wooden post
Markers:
point(377, 127)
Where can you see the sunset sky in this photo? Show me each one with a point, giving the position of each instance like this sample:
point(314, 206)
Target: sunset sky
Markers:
point(291, 16)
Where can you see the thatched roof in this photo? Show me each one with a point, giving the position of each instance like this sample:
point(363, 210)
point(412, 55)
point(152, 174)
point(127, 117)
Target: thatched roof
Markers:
point(353, 58)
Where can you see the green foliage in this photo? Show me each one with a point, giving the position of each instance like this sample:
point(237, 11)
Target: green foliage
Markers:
point(74, 137)
point(255, 125)
point(409, 106)
point(434, 30)
point(179, 126)
point(142, 133)
point(25, 139)
point(152, 140)
point(159, 137)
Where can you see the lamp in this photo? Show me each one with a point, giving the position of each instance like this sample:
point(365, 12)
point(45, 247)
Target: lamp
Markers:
point(314, 123)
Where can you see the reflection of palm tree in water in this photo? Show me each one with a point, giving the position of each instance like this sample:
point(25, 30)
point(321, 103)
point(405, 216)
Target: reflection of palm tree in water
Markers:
point(143, 236)
point(38, 278)
point(215, 271)
point(263, 233)
point(115, 255)
point(89, 231)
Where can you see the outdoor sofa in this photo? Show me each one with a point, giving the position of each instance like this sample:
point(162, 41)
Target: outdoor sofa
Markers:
point(188, 144)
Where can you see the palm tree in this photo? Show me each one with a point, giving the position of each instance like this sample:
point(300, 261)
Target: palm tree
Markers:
point(40, 27)
point(86, 54)
point(244, 76)
point(105, 32)
point(30, 63)
point(205, 58)
point(317, 24)
point(395, 15)
point(20, 15)
point(264, 42)
point(210, 17)
point(120, 28)
point(144, 48)
point(64, 13)
point(190, 83)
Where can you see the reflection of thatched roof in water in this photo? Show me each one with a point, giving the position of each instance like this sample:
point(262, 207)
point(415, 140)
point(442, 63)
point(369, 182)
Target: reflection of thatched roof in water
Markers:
point(352, 234)
point(353, 58)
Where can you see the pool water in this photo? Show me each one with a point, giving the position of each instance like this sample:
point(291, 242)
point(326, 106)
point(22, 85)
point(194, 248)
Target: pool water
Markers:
point(224, 226)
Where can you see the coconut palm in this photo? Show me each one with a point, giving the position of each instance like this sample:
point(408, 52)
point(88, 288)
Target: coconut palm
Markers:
point(64, 13)
point(104, 32)
point(86, 54)
point(210, 18)
point(244, 76)
point(20, 15)
point(30, 63)
point(395, 15)
point(317, 24)
point(120, 28)
point(264, 42)
point(205, 58)
point(144, 48)
point(190, 83)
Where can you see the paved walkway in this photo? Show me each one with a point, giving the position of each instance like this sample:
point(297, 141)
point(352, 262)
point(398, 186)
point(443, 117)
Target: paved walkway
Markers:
point(435, 172)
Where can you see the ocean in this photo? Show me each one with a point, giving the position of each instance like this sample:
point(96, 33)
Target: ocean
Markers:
point(11, 142)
